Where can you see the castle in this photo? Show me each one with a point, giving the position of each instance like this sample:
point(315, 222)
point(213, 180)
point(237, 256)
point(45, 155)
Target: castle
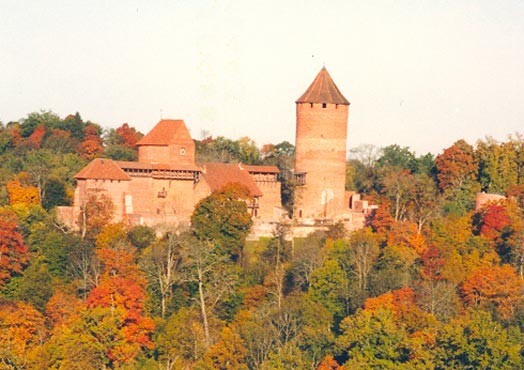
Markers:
point(166, 183)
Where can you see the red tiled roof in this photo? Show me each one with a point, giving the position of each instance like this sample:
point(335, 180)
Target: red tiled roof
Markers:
point(323, 90)
point(157, 166)
point(166, 132)
point(102, 169)
point(217, 175)
point(261, 169)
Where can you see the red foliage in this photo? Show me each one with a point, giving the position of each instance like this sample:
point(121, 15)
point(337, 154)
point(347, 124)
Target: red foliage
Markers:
point(129, 135)
point(14, 254)
point(432, 264)
point(455, 165)
point(37, 136)
point(495, 219)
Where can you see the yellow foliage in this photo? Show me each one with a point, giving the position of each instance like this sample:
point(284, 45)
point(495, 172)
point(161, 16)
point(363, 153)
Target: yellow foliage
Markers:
point(20, 194)
point(111, 235)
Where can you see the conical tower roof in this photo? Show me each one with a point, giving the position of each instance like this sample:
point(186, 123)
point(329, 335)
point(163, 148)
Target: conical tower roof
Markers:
point(323, 90)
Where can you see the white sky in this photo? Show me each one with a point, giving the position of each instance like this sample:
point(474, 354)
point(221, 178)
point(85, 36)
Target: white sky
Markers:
point(418, 73)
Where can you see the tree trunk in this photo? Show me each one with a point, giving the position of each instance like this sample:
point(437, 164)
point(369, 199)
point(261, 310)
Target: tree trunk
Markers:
point(203, 304)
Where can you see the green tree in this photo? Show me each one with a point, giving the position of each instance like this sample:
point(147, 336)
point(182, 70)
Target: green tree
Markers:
point(477, 342)
point(222, 219)
point(35, 286)
point(326, 287)
point(375, 340)
point(497, 165)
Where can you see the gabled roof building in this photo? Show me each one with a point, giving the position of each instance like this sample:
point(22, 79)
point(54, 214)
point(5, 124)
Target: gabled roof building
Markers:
point(165, 184)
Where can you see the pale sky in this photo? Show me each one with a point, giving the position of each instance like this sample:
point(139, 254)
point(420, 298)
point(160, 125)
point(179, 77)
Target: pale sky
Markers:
point(418, 73)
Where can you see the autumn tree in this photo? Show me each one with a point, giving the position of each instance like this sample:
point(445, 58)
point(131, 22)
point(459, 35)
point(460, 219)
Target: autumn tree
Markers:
point(22, 194)
point(456, 174)
point(456, 165)
point(495, 220)
point(329, 363)
point(91, 147)
point(14, 254)
point(228, 353)
point(497, 286)
point(435, 294)
point(120, 143)
point(122, 289)
point(96, 212)
point(22, 330)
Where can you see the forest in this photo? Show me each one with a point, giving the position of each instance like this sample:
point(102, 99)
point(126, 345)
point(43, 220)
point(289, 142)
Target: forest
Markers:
point(429, 283)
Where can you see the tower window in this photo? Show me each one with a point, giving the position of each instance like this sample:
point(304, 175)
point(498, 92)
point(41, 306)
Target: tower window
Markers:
point(311, 105)
point(336, 106)
point(182, 151)
point(324, 105)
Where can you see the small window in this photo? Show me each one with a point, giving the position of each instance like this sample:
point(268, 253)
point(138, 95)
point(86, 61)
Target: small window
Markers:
point(324, 105)
point(311, 105)
point(336, 106)
point(182, 151)
point(300, 213)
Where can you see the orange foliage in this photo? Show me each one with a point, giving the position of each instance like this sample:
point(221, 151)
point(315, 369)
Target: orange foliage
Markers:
point(122, 287)
point(381, 220)
point(14, 254)
point(406, 233)
point(397, 301)
point(91, 147)
point(20, 194)
point(329, 363)
point(61, 307)
point(498, 286)
point(22, 327)
point(228, 352)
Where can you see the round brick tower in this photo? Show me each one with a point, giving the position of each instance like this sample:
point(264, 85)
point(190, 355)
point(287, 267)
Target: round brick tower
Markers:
point(320, 150)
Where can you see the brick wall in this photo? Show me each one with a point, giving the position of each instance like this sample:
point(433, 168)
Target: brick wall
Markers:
point(321, 152)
